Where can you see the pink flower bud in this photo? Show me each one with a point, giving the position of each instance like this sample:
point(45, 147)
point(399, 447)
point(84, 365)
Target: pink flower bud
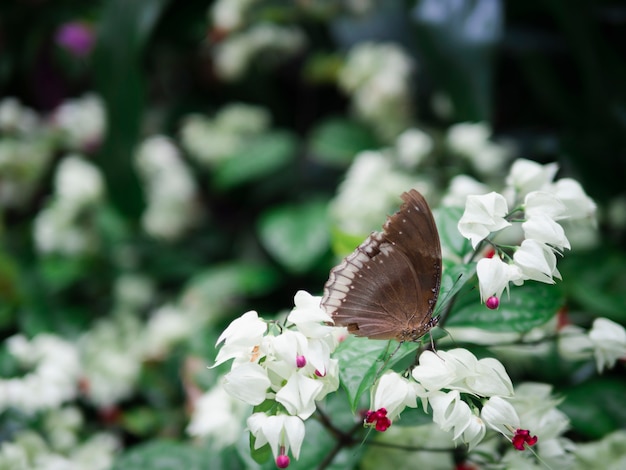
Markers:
point(300, 362)
point(282, 461)
point(492, 302)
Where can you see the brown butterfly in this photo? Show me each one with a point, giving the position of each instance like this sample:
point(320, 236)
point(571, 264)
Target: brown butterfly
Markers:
point(388, 287)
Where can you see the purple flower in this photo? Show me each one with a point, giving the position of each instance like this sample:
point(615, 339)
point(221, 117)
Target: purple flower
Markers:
point(76, 37)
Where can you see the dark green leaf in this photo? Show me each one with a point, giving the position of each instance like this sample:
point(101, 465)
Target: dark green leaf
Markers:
point(596, 407)
point(530, 305)
point(596, 279)
point(124, 29)
point(337, 140)
point(297, 236)
point(262, 156)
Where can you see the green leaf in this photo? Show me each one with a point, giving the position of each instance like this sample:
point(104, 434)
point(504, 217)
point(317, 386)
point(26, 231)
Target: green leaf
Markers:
point(337, 140)
point(595, 407)
point(261, 156)
point(596, 280)
point(124, 30)
point(447, 219)
point(262, 454)
point(530, 305)
point(345, 243)
point(220, 284)
point(360, 359)
point(296, 236)
point(169, 455)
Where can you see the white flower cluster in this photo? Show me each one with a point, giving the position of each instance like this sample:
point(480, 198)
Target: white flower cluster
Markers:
point(60, 448)
point(81, 121)
point(60, 227)
point(16, 118)
point(170, 189)
point(540, 205)
point(26, 148)
point(438, 381)
point(378, 76)
point(472, 141)
point(113, 352)
point(53, 379)
point(210, 141)
point(234, 54)
point(374, 180)
point(605, 341)
point(228, 15)
point(292, 368)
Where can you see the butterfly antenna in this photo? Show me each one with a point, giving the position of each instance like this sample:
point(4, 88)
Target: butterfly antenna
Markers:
point(382, 368)
point(448, 301)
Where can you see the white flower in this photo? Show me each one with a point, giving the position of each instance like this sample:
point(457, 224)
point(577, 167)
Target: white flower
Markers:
point(483, 215)
point(78, 182)
point(218, 415)
point(494, 276)
point(543, 203)
point(537, 411)
point(15, 117)
point(460, 187)
point(234, 54)
point(298, 394)
point(240, 338)
point(308, 316)
point(368, 193)
point(167, 325)
point(609, 342)
point(169, 186)
point(544, 229)
point(394, 393)
point(277, 431)
point(229, 14)
point(378, 77)
point(474, 432)
point(82, 121)
point(111, 357)
point(468, 138)
point(458, 369)
point(248, 382)
point(412, 146)
point(53, 380)
point(537, 262)
point(500, 415)
point(450, 412)
point(526, 176)
point(577, 204)
point(574, 343)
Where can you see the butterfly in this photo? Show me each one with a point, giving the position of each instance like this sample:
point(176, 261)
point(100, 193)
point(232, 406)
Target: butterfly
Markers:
point(388, 287)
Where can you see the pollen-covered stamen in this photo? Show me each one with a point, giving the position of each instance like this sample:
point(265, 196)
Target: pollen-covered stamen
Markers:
point(492, 302)
point(256, 352)
point(523, 437)
point(300, 362)
point(379, 419)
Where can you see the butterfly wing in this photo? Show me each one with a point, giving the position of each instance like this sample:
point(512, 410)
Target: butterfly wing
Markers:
point(387, 288)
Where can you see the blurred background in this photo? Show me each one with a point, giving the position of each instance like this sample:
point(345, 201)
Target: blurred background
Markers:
point(167, 166)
